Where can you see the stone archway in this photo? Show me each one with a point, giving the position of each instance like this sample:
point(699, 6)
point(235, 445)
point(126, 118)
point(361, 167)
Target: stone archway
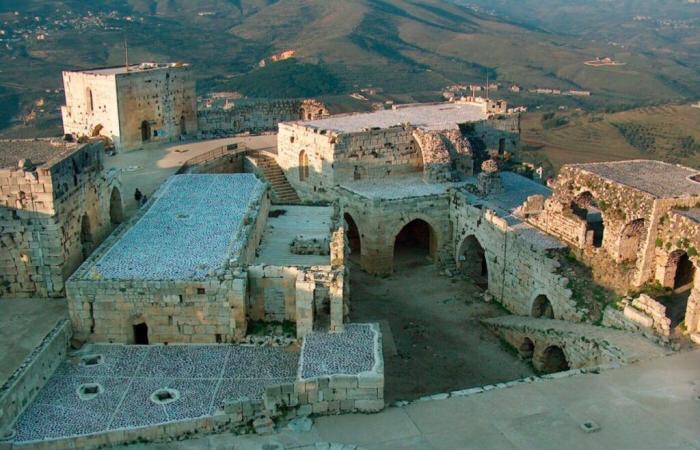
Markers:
point(183, 126)
point(140, 330)
point(527, 348)
point(553, 359)
point(416, 241)
point(471, 260)
point(542, 308)
point(303, 166)
point(586, 207)
point(116, 210)
point(631, 238)
point(353, 235)
point(145, 131)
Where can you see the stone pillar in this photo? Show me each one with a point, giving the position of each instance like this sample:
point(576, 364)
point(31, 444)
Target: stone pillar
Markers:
point(692, 311)
point(337, 308)
point(238, 323)
point(304, 304)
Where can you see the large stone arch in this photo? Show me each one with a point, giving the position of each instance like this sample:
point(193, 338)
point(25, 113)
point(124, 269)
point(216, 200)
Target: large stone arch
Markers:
point(116, 208)
point(396, 229)
point(471, 258)
point(542, 307)
point(551, 359)
point(585, 206)
point(417, 234)
point(631, 241)
point(353, 234)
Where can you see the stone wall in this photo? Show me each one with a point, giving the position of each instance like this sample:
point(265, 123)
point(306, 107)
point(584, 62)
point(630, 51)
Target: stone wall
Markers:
point(22, 386)
point(521, 263)
point(52, 217)
point(256, 116)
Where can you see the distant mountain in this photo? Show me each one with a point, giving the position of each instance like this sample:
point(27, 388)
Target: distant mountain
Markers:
point(401, 46)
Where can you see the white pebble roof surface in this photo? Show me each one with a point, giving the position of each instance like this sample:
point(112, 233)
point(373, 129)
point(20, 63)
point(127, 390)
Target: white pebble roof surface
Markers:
point(349, 352)
point(191, 229)
point(432, 116)
point(205, 376)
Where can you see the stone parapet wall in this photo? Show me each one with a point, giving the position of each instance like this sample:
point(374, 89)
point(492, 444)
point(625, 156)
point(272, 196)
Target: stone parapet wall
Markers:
point(22, 386)
point(256, 116)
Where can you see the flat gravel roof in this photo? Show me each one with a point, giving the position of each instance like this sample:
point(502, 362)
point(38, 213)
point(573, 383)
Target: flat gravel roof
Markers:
point(398, 187)
point(39, 151)
point(440, 116)
point(191, 229)
point(658, 178)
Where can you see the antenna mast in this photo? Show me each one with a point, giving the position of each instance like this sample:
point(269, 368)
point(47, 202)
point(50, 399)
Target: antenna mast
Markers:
point(126, 53)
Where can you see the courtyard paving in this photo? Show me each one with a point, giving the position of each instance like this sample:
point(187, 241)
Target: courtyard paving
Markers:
point(649, 405)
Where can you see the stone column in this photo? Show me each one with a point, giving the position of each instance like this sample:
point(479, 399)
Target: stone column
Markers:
point(304, 304)
point(336, 294)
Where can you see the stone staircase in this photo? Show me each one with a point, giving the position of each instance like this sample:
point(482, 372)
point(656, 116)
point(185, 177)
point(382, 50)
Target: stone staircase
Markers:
point(282, 191)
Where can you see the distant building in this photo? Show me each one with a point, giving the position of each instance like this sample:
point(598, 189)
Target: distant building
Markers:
point(131, 105)
point(515, 88)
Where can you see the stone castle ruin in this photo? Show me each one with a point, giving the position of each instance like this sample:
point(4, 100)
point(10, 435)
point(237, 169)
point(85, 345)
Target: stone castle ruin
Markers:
point(596, 269)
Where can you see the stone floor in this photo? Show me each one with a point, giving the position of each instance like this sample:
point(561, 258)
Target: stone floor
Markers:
point(204, 375)
point(285, 223)
point(649, 405)
point(432, 336)
point(24, 323)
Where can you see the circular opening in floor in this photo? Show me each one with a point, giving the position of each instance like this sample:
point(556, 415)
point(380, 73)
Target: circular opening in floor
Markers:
point(91, 360)
point(88, 391)
point(165, 396)
point(8, 435)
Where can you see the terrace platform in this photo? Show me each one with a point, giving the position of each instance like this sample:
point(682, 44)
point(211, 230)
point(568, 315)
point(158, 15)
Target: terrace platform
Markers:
point(287, 222)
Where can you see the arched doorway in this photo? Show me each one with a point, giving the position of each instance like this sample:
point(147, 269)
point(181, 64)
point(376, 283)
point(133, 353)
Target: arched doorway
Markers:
point(183, 126)
point(554, 360)
point(303, 166)
point(85, 236)
point(354, 238)
point(527, 348)
point(586, 207)
point(471, 261)
point(145, 131)
point(631, 239)
point(140, 333)
point(360, 173)
point(542, 307)
point(414, 243)
point(116, 211)
point(685, 272)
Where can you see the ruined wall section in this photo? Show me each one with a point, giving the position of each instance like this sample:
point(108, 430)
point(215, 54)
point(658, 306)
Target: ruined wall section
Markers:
point(51, 217)
point(447, 155)
point(164, 98)
point(619, 262)
point(522, 263)
point(256, 116)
